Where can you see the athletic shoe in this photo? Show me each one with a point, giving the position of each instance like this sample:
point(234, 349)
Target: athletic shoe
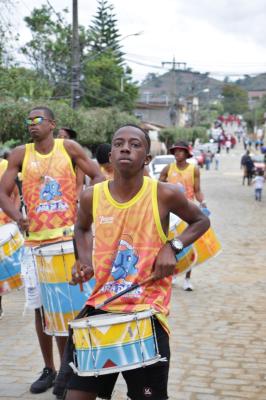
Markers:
point(45, 381)
point(187, 285)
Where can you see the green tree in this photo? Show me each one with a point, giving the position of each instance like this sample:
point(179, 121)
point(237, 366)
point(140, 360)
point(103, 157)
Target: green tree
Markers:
point(105, 84)
point(49, 51)
point(107, 80)
point(170, 135)
point(235, 99)
point(104, 34)
point(208, 113)
point(21, 83)
point(94, 126)
point(7, 37)
point(255, 117)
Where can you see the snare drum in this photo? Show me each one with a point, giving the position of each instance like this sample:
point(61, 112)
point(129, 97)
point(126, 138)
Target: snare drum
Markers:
point(206, 247)
point(61, 301)
point(109, 343)
point(11, 242)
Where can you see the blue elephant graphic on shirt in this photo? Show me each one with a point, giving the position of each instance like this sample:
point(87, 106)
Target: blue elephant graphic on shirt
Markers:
point(125, 261)
point(50, 190)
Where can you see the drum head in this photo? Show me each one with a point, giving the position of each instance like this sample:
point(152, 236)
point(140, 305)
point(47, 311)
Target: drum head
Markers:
point(53, 249)
point(110, 319)
point(7, 231)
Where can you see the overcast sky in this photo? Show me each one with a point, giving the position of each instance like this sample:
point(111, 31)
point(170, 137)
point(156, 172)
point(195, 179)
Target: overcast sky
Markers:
point(217, 36)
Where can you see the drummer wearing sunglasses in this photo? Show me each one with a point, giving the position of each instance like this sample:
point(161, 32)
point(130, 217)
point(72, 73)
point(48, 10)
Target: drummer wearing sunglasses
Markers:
point(130, 215)
point(49, 191)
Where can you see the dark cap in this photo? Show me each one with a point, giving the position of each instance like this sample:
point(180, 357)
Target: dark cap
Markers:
point(182, 144)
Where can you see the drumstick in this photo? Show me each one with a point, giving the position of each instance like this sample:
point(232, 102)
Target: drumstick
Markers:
point(115, 296)
point(77, 261)
point(22, 203)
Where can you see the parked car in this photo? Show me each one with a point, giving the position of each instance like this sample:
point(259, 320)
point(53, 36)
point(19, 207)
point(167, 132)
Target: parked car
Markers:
point(158, 163)
point(258, 160)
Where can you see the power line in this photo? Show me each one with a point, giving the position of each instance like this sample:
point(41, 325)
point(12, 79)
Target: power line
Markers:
point(145, 64)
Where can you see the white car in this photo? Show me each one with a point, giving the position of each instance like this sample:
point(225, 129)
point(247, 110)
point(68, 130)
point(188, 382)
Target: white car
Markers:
point(158, 163)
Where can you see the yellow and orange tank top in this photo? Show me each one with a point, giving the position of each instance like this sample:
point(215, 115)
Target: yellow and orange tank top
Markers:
point(109, 175)
point(128, 237)
point(49, 191)
point(183, 176)
point(4, 219)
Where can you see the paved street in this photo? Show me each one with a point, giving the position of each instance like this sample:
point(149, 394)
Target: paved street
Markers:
point(218, 330)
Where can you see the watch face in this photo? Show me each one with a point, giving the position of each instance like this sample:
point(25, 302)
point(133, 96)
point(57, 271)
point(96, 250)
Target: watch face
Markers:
point(177, 244)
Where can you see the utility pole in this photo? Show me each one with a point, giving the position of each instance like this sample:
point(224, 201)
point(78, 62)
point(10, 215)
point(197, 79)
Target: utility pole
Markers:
point(175, 63)
point(173, 111)
point(75, 84)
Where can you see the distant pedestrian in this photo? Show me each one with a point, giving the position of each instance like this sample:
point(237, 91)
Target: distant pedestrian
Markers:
point(258, 182)
point(257, 144)
point(208, 159)
point(217, 160)
point(248, 167)
point(227, 145)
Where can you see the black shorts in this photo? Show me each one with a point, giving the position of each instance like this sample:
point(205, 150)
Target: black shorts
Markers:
point(143, 383)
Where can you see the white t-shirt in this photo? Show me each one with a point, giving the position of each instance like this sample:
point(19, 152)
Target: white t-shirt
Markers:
point(258, 182)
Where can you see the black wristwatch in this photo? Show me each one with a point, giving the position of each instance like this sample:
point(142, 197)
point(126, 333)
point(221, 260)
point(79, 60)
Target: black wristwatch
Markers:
point(176, 245)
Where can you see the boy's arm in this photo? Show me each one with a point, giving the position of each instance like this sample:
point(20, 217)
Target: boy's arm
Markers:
point(7, 186)
point(84, 237)
point(80, 158)
point(164, 174)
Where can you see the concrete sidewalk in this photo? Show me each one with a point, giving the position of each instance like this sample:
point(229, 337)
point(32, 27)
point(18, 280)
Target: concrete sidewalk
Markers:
point(218, 331)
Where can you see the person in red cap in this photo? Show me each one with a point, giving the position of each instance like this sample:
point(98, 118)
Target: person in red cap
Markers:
point(188, 175)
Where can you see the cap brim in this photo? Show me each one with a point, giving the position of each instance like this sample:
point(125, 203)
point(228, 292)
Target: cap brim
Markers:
point(172, 150)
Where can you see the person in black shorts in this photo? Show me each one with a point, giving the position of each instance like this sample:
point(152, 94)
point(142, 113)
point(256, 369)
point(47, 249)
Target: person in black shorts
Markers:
point(130, 215)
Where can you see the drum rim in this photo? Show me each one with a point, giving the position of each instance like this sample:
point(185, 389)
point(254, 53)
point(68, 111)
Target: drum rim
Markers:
point(10, 234)
point(111, 370)
point(45, 249)
point(99, 320)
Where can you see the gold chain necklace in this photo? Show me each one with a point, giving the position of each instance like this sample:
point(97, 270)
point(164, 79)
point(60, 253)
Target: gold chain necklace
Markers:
point(45, 173)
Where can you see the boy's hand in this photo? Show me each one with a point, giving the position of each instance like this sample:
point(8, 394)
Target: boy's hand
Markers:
point(81, 273)
point(165, 262)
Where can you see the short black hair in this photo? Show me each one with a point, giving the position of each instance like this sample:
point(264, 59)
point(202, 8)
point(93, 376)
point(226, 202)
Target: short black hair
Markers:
point(71, 132)
point(102, 153)
point(147, 137)
point(47, 111)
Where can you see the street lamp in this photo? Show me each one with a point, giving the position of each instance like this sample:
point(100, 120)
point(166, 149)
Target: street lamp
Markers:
point(207, 90)
point(122, 79)
point(131, 34)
